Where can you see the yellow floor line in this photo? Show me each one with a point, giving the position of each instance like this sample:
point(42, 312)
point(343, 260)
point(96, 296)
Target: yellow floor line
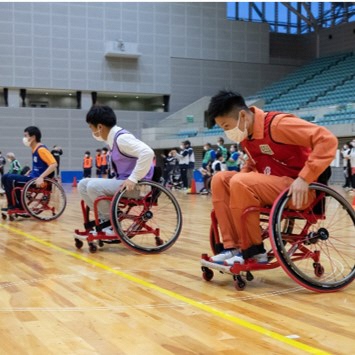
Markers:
point(177, 296)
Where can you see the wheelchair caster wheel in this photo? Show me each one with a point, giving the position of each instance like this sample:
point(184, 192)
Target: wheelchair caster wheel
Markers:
point(318, 269)
point(158, 241)
point(207, 274)
point(3, 216)
point(239, 283)
point(249, 276)
point(101, 243)
point(78, 243)
point(12, 218)
point(92, 248)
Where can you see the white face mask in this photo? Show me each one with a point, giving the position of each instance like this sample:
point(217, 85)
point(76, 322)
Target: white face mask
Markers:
point(26, 142)
point(98, 138)
point(237, 135)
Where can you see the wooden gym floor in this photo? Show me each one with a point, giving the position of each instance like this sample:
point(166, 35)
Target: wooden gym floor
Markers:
point(55, 299)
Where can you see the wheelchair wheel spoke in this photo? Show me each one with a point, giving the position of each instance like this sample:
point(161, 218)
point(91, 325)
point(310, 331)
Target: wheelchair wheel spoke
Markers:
point(320, 254)
point(149, 224)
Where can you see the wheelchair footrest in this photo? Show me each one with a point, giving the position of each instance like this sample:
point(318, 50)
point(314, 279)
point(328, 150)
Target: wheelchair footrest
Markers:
point(90, 236)
point(236, 269)
point(221, 268)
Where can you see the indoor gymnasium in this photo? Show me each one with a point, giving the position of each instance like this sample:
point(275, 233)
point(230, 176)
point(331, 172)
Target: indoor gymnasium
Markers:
point(177, 178)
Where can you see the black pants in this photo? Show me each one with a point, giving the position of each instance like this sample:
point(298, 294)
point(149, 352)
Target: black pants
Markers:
point(183, 170)
point(10, 181)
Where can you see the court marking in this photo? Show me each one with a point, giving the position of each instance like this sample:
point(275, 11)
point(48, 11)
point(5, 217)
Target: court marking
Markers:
point(197, 304)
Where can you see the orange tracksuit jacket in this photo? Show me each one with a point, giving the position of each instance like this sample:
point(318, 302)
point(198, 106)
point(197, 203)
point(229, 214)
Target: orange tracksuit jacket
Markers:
point(304, 149)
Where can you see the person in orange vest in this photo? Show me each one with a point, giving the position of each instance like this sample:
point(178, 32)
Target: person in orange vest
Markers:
point(98, 162)
point(104, 163)
point(87, 165)
point(284, 151)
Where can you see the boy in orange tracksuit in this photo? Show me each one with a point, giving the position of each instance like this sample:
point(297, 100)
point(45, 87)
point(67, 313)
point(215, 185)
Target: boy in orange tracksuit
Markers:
point(87, 165)
point(104, 163)
point(284, 151)
point(98, 162)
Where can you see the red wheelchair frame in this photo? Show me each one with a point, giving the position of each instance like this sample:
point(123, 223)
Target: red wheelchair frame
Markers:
point(289, 247)
point(138, 212)
point(35, 201)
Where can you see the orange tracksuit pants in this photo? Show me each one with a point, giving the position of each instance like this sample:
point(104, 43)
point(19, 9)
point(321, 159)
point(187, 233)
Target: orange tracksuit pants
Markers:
point(233, 192)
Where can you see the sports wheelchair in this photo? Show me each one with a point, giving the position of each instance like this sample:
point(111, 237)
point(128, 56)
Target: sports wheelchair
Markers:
point(315, 246)
point(147, 220)
point(44, 203)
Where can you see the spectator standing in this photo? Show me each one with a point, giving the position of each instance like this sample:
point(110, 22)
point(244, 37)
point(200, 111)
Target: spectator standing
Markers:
point(15, 167)
point(87, 165)
point(57, 152)
point(104, 163)
point(183, 159)
point(191, 164)
point(345, 153)
point(352, 164)
point(98, 162)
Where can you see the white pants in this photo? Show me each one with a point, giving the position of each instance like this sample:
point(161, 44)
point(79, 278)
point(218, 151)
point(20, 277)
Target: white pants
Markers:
point(92, 188)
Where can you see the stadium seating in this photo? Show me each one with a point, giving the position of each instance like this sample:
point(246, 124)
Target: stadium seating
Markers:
point(325, 82)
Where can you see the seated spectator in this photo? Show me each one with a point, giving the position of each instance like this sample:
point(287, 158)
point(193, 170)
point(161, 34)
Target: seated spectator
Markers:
point(232, 161)
point(15, 167)
point(222, 149)
point(209, 155)
point(170, 163)
point(211, 170)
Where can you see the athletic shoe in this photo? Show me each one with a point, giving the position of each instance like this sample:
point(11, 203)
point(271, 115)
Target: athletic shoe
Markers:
point(259, 258)
point(224, 255)
point(108, 231)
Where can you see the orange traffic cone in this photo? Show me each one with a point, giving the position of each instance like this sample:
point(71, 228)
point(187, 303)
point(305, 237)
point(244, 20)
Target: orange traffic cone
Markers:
point(193, 187)
point(74, 182)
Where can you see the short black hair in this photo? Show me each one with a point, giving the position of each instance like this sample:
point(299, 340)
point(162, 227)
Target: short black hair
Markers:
point(34, 131)
point(220, 139)
point(218, 155)
point(105, 149)
point(87, 152)
point(187, 143)
point(223, 103)
point(100, 114)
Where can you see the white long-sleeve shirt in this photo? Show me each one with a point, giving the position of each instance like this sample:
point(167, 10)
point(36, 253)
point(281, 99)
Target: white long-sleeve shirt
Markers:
point(130, 145)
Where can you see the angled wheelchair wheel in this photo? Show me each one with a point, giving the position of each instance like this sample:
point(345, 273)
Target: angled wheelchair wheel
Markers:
point(318, 251)
point(147, 220)
point(45, 203)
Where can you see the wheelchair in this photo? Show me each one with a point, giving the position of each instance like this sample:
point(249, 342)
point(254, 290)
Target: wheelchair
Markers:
point(315, 246)
point(147, 220)
point(45, 203)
